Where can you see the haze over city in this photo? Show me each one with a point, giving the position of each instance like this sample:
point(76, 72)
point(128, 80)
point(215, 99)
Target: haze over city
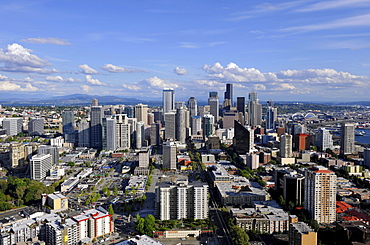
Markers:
point(290, 50)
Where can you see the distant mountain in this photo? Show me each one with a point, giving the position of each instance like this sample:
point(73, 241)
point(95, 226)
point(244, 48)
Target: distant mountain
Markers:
point(70, 100)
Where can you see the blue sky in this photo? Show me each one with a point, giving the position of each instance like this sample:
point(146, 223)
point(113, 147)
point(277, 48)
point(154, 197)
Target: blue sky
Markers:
point(302, 50)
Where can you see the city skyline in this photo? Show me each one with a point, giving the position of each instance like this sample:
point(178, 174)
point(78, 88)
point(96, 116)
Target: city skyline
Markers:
point(288, 51)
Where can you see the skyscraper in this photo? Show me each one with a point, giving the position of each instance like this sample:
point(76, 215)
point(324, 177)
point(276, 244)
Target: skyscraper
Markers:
point(240, 106)
point(320, 194)
point(123, 133)
point(169, 155)
point(168, 100)
point(214, 105)
point(40, 166)
point(141, 113)
point(243, 141)
point(68, 126)
point(13, 125)
point(109, 133)
point(254, 110)
point(36, 127)
point(51, 150)
point(367, 157)
point(96, 127)
point(129, 111)
point(271, 115)
point(207, 125)
point(347, 139)
point(140, 135)
point(196, 122)
point(324, 139)
point(154, 134)
point(83, 133)
point(170, 128)
point(286, 146)
point(193, 106)
point(228, 98)
point(180, 125)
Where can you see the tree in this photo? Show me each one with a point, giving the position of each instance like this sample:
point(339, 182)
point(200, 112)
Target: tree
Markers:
point(110, 209)
point(115, 191)
point(314, 224)
point(149, 223)
point(238, 235)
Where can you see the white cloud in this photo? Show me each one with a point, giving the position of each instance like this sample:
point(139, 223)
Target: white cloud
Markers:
point(259, 87)
point(360, 20)
point(93, 81)
point(16, 58)
point(9, 86)
point(2, 77)
point(282, 86)
point(86, 88)
point(325, 5)
point(159, 83)
point(180, 71)
point(49, 40)
point(132, 86)
point(233, 73)
point(87, 69)
point(118, 69)
point(61, 79)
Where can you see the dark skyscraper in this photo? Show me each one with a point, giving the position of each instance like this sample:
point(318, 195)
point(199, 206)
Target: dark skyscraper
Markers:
point(96, 120)
point(228, 99)
point(193, 106)
point(240, 105)
point(271, 115)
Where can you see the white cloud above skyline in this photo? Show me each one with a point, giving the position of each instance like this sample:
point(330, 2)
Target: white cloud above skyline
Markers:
point(46, 40)
point(117, 69)
point(92, 81)
point(85, 69)
point(180, 71)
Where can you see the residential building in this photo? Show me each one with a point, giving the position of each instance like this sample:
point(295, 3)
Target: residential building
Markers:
point(40, 166)
point(141, 113)
point(169, 155)
point(13, 125)
point(286, 146)
point(36, 127)
point(324, 139)
point(347, 139)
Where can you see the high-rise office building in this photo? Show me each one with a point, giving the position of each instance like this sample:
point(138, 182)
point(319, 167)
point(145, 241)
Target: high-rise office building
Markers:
point(243, 141)
point(293, 188)
point(271, 116)
point(169, 155)
point(129, 111)
point(179, 104)
point(51, 150)
point(286, 146)
point(40, 166)
point(320, 194)
point(36, 127)
point(109, 133)
point(196, 122)
point(13, 125)
point(193, 106)
point(347, 139)
point(123, 133)
point(180, 125)
point(182, 200)
point(207, 125)
point(254, 110)
point(96, 127)
point(324, 139)
point(154, 134)
point(213, 103)
point(170, 128)
point(83, 133)
point(240, 106)
point(168, 100)
point(228, 98)
point(68, 122)
point(140, 135)
point(141, 113)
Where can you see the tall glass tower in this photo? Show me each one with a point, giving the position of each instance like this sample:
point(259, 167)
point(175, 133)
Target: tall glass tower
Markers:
point(168, 100)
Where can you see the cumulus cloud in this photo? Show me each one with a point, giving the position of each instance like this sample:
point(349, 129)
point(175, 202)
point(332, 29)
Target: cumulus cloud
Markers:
point(282, 86)
point(117, 69)
point(159, 83)
point(2, 77)
point(132, 86)
point(86, 88)
point(87, 69)
point(180, 71)
point(9, 86)
point(61, 79)
point(47, 40)
point(16, 58)
point(233, 73)
point(93, 81)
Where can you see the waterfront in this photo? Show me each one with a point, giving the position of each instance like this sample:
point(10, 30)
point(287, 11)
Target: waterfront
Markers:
point(365, 139)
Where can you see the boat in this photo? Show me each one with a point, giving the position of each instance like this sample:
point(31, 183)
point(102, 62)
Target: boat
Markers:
point(360, 132)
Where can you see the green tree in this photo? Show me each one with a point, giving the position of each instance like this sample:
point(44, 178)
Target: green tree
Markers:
point(238, 235)
point(314, 224)
point(149, 223)
point(110, 209)
point(115, 191)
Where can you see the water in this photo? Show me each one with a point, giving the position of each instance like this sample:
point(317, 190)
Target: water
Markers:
point(363, 139)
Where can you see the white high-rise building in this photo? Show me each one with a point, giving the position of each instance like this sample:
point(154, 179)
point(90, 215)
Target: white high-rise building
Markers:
point(36, 126)
point(123, 131)
point(13, 125)
point(347, 139)
point(320, 194)
point(214, 106)
point(140, 135)
point(168, 100)
point(324, 139)
point(109, 133)
point(40, 166)
point(141, 113)
point(49, 149)
point(196, 122)
point(169, 155)
point(254, 110)
point(182, 200)
point(180, 125)
point(286, 146)
point(170, 126)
